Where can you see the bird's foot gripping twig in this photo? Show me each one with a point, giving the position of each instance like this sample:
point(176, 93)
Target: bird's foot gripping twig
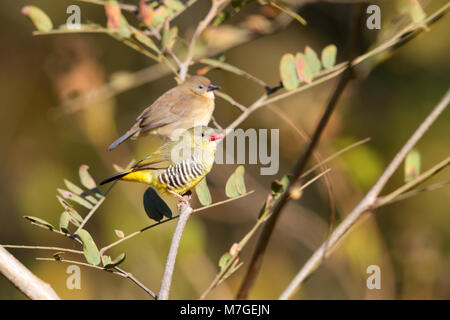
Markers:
point(183, 199)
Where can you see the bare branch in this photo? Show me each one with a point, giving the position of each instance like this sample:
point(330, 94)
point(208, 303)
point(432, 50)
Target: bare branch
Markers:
point(238, 247)
point(23, 279)
point(132, 235)
point(216, 6)
point(185, 213)
point(366, 203)
point(263, 241)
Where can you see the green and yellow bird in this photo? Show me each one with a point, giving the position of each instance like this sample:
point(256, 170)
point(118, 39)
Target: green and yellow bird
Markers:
point(177, 166)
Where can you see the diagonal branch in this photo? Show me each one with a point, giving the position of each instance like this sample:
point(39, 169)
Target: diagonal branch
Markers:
point(23, 279)
point(366, 204)
point(267, 231)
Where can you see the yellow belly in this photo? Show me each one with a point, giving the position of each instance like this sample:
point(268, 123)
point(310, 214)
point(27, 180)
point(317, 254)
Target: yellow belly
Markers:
point(150, 177)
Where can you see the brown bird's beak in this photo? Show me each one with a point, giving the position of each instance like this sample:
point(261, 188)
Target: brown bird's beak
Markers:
point(212, 87)
point(215, 136)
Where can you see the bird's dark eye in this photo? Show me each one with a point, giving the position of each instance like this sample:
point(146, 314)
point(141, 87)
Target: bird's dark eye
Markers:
point(203, 135)
point(200, 87)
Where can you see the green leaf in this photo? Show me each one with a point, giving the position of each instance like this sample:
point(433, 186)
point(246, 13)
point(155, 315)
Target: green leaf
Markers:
point(142, 38)
point(236, 185)
point(175, 5)
point(86, 179)
point(169, 38)
point(155, 207)
point(64, 220)
point(203, 194)
point(40, 19)
point(304, 71)
point(114, 263)
point(222, 65)
point(116, 21)
point(106, 260)
point(313, 61)
point(74, 197)
point(237, 5)
point(88, 182)
point(412, 165)
point(288, 72)
point(279, 5)
point(73, 213)
point(279, 187)
point(119, 233)
point(224, 260)
point(90, 249)
point(124, 30)
point(77, 190)
point(73, 187)
point(40, 222)
point(220, 18)
point(417, 13)
point(329, 56)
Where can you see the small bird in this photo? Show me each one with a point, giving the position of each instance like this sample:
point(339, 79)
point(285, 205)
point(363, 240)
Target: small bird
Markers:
point(188, 105)
point(177, 166)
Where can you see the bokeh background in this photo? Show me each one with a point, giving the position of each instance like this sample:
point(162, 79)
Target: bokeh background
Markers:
point(41, 146)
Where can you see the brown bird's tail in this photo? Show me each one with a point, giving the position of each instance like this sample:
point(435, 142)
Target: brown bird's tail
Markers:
point(115, 177)
point(126, 136)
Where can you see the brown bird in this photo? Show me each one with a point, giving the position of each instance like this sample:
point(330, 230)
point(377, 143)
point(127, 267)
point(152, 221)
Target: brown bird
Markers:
point(188, 105)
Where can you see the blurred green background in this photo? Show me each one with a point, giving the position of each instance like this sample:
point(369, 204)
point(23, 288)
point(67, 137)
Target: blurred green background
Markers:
point(409, 240)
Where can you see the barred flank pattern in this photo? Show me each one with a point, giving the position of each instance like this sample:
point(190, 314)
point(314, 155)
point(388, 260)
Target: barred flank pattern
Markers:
point(183, 174)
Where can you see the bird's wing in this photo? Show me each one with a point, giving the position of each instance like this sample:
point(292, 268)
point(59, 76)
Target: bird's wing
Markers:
point(162, 158)
point(170, 108)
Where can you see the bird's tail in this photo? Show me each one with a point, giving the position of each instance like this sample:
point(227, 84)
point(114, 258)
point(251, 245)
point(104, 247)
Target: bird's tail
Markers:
point(126, 136)
point(115, 177)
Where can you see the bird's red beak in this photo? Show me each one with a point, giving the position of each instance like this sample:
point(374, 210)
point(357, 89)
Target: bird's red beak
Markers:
point(215, 136)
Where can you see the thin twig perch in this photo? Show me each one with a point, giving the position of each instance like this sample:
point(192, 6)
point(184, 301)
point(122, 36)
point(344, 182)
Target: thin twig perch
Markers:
point(185, 213)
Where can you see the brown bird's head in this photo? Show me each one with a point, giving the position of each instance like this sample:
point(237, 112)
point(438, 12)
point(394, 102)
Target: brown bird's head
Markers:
point(201, 86)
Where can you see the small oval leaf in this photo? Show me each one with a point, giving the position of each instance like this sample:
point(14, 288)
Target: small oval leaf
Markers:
point(40, 19)
point(86, 180)
point(114, 263)
point(73, 213)
point(40, 222)
point(74, 197)
point(73, 187)
point(169, 38)
point(303, 69)
point(224, 260)
point(119, 233)
point(288, 72)
point(64, 220)
point(329, 56)
point(203, 194)
point(90, 249)
point(236, 185)
point(114, 14)
point(142, 38)
point(77, 190)
point(412, 165)
point(313, 61)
